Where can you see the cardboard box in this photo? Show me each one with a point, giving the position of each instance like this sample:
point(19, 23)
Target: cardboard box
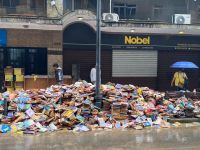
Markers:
point(18, 71)
point(10, 89)
point(19, 84)
point(19, 78)
point(19, 88)
point(9, 77)
point(8, 71)
point(9, 84)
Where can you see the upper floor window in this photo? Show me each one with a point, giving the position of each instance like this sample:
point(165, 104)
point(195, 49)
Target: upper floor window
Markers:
point(125, 11)
point(157, 11)
point(68, 5)
point(198, 12)
point(23, 7)
point(71, 5)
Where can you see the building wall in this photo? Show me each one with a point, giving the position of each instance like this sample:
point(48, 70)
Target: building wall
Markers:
point(52, 40)
point(55, 11)
point(54, 58)
point(145, 9)
point(23, 7)
point(34, 38)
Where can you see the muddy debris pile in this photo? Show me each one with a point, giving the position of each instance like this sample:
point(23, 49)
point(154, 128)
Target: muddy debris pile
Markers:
point(72, 107)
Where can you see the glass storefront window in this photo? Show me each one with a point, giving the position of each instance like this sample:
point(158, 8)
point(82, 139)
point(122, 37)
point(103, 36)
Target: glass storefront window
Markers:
point(34, 60)
point(15, 57)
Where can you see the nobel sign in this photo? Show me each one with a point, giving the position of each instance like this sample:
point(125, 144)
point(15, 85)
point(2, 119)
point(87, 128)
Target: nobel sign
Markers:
point(136, 40)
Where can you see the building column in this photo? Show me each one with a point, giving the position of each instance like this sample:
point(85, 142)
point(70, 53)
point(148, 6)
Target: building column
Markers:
point(54, 56)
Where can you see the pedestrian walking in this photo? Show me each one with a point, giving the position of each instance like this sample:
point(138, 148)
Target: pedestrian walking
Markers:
point(93, 75)
point(58, 74)
point(180, 80)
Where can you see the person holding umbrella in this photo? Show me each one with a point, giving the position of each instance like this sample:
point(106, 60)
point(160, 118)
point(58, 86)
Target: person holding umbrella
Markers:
point(180, 80)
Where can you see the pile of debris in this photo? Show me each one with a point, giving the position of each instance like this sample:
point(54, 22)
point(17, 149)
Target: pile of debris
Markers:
point(72, 107)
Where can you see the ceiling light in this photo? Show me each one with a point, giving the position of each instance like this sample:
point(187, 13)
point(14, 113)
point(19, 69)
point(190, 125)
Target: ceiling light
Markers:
point(80, 18)
point(26, 26)
point(132, 30)
point(181, 32)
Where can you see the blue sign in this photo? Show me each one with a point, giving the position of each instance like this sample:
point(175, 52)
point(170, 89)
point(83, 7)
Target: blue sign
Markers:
point(3, 38)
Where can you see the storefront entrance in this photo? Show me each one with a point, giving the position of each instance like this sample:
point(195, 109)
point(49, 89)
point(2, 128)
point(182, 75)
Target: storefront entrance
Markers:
point(86, 60)
point(139, 59)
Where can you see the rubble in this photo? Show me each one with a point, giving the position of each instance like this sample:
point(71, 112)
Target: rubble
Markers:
point(72, 107)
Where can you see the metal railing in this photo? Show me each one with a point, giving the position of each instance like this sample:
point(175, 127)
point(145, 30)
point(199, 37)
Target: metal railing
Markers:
point(70, 14)
point(31, 19)
point(149, 24)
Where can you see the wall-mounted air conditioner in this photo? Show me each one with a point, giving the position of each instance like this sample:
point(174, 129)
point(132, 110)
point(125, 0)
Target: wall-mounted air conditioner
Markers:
point(181, 19)
point(110, 17)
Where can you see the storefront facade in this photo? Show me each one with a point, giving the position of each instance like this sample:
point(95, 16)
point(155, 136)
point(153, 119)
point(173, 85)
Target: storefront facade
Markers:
point(136, 50)
point(35, 50)
point(140, 59)
point(137, 58)
point(42, 43)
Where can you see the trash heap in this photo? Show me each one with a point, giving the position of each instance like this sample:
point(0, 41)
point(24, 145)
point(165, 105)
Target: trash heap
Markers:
point(72, 107)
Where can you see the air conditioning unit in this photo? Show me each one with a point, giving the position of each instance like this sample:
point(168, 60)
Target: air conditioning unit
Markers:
point(182, 19)
point(110, 17)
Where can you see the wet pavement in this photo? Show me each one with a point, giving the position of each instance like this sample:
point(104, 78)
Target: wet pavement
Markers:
point(148, 139)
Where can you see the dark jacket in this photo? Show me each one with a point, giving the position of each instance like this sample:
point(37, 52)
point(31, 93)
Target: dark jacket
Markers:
point(59, 74)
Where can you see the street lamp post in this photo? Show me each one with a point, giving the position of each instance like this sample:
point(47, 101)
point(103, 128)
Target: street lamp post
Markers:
point(98, 101)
